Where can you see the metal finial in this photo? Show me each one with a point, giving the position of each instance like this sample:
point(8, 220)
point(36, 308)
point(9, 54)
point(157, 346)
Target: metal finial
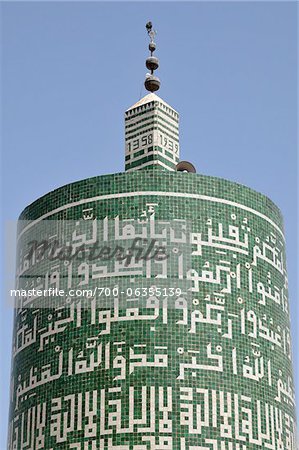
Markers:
point(152, 83)
point(150, 31)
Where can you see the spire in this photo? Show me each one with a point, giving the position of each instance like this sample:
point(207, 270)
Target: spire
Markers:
point(151, 125)
point(152, 83)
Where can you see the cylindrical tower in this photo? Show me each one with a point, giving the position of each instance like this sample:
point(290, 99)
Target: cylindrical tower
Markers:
point(152, 307)
point(209, 370)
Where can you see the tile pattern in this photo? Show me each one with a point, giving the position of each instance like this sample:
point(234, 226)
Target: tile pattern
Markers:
point(215, 374)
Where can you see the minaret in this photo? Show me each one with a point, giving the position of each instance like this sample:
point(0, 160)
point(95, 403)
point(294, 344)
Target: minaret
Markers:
point(206, 362)
point(151, 125)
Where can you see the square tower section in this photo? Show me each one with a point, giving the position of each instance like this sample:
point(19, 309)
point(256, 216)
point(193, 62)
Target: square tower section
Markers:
point(151, 135)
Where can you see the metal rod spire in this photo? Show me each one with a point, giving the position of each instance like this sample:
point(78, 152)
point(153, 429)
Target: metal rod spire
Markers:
point(152, 83)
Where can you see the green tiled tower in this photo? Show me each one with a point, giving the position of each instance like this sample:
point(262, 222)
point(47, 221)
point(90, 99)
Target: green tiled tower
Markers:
point(208, 367)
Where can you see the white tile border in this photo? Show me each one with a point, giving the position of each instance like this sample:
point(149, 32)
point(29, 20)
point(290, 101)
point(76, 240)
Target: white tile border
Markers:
point(151, 193)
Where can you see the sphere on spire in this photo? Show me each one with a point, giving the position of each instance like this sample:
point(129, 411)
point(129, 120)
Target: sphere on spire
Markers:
point(152, 83)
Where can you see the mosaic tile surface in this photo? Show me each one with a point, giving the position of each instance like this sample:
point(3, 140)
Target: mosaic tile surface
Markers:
point(215, 375)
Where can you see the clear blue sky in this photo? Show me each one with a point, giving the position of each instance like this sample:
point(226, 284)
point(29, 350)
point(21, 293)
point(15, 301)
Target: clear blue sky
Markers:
point(71, 69)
